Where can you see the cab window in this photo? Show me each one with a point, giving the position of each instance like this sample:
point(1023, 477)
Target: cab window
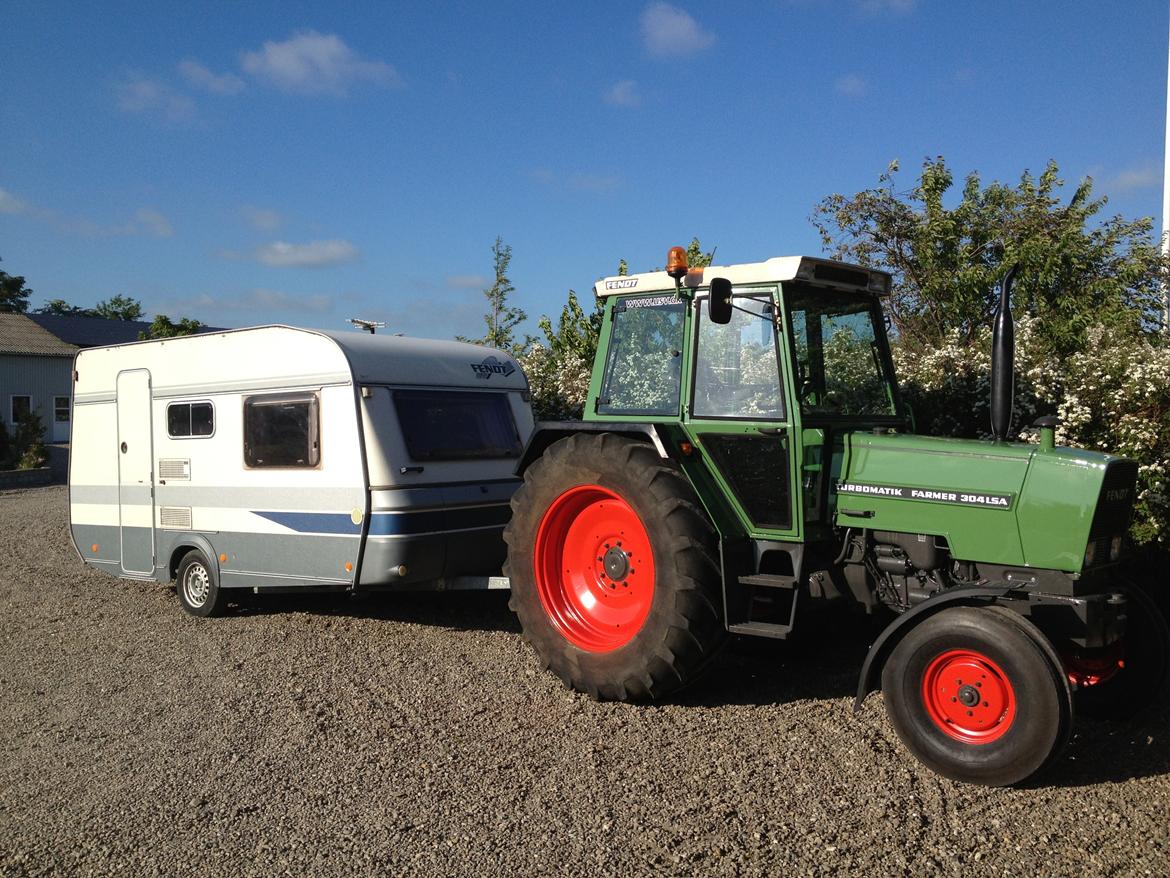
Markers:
point(643, 368)
point(737, 373)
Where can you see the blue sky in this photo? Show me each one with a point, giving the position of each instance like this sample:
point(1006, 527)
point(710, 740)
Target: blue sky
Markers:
point(306, 163)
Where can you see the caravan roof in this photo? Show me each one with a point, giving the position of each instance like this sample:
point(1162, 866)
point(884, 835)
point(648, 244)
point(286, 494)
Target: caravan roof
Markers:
point(373, 359)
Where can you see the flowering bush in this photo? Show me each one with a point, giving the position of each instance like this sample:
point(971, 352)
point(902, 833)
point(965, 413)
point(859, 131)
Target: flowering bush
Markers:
point(559, 385)
point(1112, 395)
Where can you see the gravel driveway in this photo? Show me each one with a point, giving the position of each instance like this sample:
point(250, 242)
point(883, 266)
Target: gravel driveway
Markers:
point(415, 734)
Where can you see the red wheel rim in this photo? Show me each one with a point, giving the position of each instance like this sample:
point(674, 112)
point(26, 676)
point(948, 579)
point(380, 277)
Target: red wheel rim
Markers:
point(1087, 669)
point(969, 697)
point(594, 568)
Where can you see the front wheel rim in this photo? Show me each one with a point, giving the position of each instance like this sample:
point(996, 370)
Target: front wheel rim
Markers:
point(968, 697)
point(594, 568)
point(196, 585)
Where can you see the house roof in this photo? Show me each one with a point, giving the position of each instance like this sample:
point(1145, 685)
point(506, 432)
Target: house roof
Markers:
point(87, 332)
point(19, 334)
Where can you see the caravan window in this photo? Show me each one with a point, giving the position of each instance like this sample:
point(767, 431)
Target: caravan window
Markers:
point(185, 419)
point(282, 430)
point(448, 425)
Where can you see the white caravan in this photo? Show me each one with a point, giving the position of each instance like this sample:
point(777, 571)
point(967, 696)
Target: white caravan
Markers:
point(277, 457)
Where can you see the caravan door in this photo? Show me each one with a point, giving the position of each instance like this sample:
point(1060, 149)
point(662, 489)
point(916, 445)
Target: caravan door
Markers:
point(135, 473)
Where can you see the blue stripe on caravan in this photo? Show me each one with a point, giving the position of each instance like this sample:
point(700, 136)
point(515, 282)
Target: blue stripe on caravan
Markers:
point(392, 524)
point(434, 520)
point(314, 522)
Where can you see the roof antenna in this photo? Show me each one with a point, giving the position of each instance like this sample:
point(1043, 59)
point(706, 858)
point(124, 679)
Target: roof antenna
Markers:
point(368, 325)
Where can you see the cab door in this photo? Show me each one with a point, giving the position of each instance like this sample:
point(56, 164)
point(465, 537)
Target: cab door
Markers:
point(737, 414)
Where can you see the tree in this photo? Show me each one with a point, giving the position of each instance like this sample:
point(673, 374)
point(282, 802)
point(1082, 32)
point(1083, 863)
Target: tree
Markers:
point(164, 327)
point(696, 258)
point(501, 318)
point(1077, 270)
point(113, 308)
point(13, 293)
point(559, 365)
point(118, 308)
point(60, 306)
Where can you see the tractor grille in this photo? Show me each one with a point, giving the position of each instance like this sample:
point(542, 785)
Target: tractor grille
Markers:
point(1115, 502)
point(1114, 510)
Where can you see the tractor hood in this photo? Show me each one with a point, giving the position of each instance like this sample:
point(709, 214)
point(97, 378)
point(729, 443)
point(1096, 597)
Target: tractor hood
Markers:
point(1002, 503)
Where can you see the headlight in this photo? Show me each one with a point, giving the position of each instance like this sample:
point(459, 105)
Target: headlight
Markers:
point(1115, 549)
point(1089, 553)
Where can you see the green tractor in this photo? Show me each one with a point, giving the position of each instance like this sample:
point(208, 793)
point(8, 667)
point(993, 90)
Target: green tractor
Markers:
point(745, 450)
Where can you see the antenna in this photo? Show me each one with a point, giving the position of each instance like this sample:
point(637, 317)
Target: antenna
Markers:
point(368, 325)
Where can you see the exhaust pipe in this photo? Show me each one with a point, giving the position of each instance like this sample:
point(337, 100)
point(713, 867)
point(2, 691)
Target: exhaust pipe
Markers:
point(1003, 356)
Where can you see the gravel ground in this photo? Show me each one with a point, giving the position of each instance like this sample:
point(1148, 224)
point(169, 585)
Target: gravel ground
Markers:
point(415, 734)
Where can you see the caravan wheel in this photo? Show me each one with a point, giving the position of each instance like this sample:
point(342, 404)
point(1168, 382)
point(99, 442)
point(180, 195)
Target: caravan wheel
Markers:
point(198, 587)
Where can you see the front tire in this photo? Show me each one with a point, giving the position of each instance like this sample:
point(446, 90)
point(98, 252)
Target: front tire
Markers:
point(613, 571)
point(198, 588)
point(977, 696)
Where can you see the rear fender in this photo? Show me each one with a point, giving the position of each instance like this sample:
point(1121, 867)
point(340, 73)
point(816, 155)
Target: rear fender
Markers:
point(548, 432)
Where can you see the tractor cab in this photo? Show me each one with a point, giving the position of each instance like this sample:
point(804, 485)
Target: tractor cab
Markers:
point(761, 379)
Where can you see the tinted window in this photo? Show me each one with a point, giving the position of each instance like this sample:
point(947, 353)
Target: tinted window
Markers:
point(644, 364)
point(447, 425)
point(840, 369)
point(737, 374)
point(190, 419)
point(281, 431)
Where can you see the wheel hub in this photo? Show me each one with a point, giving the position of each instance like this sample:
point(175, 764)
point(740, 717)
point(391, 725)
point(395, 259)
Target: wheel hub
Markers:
point(594, 568)
point(968, 696)
point(616, 563)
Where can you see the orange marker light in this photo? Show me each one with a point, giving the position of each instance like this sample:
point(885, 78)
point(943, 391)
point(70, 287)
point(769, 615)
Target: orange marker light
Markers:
point(348, 567)
point(686, 448)
point(222, 557)
point(676, 262)
point(93, 548)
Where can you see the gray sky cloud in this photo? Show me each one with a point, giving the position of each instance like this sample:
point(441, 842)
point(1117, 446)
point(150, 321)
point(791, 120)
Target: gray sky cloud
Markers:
point(668, 31)
point(314, 254)
point(468, 281)
point(217, 83)
point(314, 63)
point(851, 85)
point(624, 94)
point(138, 93)
point(262, 219)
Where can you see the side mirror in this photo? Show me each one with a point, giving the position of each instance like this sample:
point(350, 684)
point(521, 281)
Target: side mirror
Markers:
point(719, 303)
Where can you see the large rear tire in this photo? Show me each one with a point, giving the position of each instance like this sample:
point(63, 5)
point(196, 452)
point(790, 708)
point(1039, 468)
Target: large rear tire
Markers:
point(977, 695)
point(613, 569)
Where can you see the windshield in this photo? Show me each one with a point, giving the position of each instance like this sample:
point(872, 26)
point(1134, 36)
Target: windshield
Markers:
point(644, 365)
point(838, 358)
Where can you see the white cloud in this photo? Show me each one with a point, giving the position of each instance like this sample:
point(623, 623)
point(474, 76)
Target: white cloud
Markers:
point(315, 254)
point(624, 94)
point(668, 31)
point(313, 63)
point(1144, 176)
point(852, 86)
point(10, 204)
point(138, 93)
point(877, 7)
point(262, 219)
point(146, 221)
point(595, 182)
point(154, 223)
point(217, 83)
point(468, 281)
point(259, 299)
point(579, 181)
